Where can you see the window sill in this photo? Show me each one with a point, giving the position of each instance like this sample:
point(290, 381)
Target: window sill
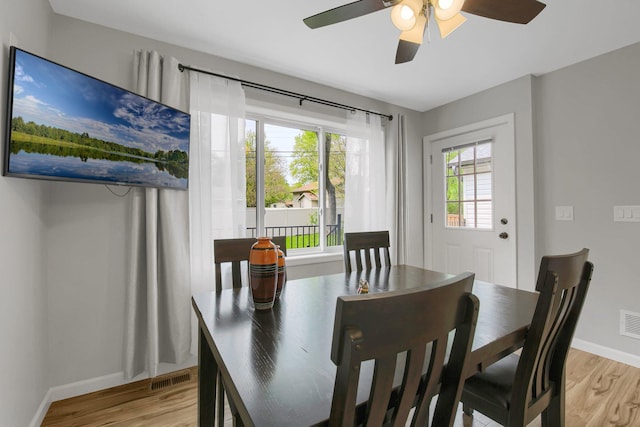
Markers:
point(306, 259)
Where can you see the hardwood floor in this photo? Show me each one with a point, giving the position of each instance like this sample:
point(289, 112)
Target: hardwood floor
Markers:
point(600, 392)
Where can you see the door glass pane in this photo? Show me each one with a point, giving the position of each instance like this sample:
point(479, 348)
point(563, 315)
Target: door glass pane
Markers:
point(468, 215)
point(468, 187)
point(453, 214)
point(484, 215)
point(483, 186)
point(453, 188)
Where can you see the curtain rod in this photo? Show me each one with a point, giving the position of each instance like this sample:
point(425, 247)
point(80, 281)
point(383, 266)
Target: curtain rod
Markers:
point(301, 97)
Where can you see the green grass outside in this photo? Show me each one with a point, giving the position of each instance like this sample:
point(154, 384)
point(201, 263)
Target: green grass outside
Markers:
point(303, 241)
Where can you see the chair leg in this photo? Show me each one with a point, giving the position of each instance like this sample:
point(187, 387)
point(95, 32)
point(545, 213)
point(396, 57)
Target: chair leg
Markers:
point(467, 415)
point(220, 401)
point(553, 415)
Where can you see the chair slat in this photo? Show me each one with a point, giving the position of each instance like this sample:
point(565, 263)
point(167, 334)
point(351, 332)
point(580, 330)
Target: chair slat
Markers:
point(381, 387)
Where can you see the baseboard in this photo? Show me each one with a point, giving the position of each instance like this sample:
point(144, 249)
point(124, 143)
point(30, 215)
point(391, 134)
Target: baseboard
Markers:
point(609, 353)
point(42, 410)
point(99, 383)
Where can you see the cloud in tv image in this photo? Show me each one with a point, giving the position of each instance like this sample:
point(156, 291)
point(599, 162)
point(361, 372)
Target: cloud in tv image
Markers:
point(68, 125)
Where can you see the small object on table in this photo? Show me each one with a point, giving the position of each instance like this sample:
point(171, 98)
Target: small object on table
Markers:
point(363, 287)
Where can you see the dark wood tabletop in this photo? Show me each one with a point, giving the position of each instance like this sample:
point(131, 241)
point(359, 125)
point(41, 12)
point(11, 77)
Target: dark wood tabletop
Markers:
point(276, 364)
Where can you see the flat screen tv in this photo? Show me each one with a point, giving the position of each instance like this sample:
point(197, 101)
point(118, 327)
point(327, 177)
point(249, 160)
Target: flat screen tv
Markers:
point(66, 125)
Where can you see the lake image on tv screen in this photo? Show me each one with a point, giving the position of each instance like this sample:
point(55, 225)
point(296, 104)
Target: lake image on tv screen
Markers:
point(67, 125)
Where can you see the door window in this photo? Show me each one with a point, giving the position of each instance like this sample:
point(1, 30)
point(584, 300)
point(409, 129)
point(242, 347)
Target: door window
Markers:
point(469, 186)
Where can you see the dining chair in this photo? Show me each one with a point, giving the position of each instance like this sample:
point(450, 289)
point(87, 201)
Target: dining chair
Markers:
point(234, 251)
point(411, 326)
point(365, 245)
point(517, 389)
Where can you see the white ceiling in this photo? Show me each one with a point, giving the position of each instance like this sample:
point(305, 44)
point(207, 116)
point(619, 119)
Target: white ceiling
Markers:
point(358, 55)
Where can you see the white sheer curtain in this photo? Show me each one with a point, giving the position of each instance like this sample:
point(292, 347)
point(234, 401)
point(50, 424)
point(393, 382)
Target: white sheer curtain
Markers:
point(365, 175)
point(217, 181)
point(158, 293)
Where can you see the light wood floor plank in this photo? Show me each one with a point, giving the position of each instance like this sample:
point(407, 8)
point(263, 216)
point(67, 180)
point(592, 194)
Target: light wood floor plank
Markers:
point(600, 392)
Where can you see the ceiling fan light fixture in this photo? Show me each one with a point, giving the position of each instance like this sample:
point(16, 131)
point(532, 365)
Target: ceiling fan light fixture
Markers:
point(447, 9)
point(450, 25)
point(404, 14)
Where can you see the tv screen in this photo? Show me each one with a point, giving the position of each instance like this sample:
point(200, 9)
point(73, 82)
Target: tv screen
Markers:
point(66, 125)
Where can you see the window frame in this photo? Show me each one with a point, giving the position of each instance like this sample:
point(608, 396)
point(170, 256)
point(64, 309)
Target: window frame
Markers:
point(321, 126)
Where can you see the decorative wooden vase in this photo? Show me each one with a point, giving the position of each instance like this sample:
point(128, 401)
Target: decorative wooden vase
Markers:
point(282, 272)
point(263, 273)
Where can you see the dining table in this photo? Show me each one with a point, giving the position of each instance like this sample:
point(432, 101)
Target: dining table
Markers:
point(276, 365)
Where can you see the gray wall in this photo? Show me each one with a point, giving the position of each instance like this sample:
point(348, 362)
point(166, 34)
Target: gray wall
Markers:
point(587, 151)
point(23, 308)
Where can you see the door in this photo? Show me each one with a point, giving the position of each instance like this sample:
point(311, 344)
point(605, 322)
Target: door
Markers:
point(470, 177)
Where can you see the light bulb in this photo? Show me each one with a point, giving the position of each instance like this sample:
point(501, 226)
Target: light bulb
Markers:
point(403, 17)
point(406, 12)
point(447, 9)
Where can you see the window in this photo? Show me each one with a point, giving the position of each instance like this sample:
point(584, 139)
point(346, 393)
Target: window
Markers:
point(468, 178)
point(297, 188)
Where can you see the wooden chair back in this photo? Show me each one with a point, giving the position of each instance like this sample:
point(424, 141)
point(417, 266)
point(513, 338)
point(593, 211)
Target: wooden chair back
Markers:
point(563, 281)
point(412, 322)
point(368, 249)
point(235, 251)
point(516, 389)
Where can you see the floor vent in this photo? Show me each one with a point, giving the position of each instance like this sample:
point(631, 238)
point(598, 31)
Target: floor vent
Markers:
point(169, 380)
point(630, 324)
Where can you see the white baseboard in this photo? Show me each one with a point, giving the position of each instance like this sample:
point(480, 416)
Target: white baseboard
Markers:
point(99, 383)
point(609, 353)
point(79, 388)
point(42, 410)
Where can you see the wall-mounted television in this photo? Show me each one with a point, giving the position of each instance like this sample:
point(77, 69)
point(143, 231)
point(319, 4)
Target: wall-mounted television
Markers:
point(65, 125)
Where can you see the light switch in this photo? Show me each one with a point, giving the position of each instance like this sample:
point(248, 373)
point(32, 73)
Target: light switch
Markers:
point(564, 213)
point(626, 213)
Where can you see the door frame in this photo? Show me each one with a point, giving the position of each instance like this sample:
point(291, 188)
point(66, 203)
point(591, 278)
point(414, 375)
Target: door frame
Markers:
point(525, 248)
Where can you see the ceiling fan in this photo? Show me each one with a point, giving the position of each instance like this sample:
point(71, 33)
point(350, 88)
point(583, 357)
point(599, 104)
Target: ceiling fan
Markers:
point(412, 16)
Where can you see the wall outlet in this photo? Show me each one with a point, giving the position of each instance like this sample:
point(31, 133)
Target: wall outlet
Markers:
point(626, 213)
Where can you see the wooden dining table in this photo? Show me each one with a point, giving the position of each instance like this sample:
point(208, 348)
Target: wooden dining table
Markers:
point(276, 364)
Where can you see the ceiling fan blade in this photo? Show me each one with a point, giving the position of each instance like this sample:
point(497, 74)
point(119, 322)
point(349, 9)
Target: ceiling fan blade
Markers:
point(347, 11)
point(411, 40)
point(450, 25)
point(406, 51)
point(518, 11)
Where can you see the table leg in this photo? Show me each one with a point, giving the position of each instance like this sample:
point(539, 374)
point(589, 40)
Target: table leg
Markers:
point(207, 374)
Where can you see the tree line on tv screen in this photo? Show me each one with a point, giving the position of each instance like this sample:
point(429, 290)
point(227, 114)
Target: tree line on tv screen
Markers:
point(34, 138)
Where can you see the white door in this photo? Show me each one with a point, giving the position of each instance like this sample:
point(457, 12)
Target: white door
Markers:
point(470, 181)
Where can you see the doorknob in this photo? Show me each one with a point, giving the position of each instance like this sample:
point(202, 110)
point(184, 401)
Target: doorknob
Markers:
point(503, 235)
point(504, 221)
